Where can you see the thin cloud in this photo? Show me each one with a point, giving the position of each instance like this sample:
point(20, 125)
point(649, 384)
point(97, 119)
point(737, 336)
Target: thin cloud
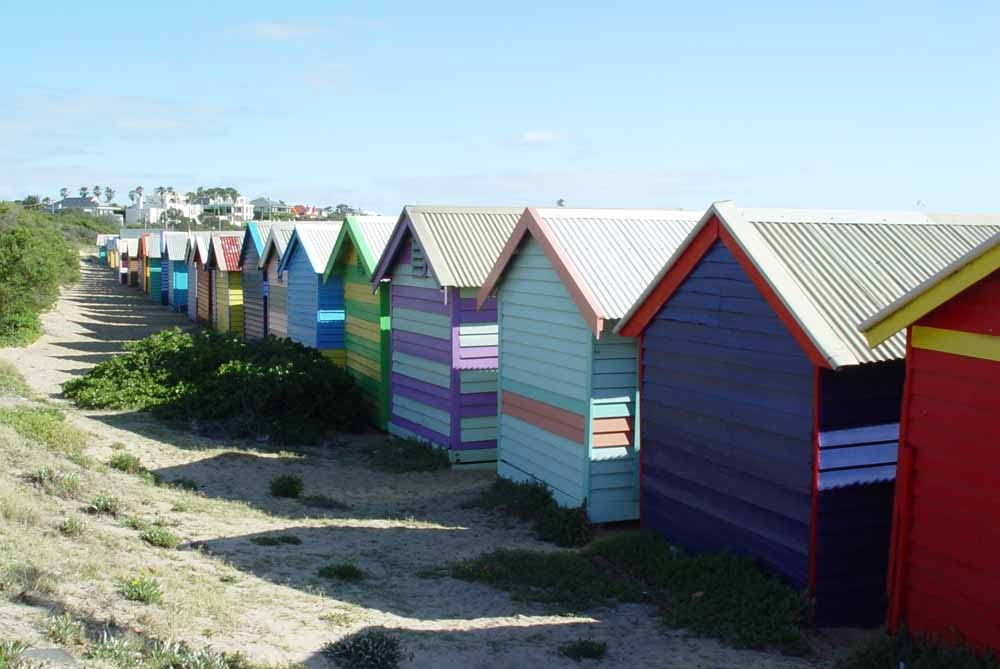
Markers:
point(282, 30)
point(540, 137)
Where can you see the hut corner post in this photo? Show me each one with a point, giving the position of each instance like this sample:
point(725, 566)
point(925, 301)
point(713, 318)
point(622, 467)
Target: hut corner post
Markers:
point(901, 504)
point(814, 513)
point(455, 438)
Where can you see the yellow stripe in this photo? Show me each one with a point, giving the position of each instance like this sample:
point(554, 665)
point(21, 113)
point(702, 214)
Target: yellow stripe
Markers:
point(336, 356)
point(363, 365)
point(935, 296)
point(362, 328)
point(360, 292)
point(968, 344)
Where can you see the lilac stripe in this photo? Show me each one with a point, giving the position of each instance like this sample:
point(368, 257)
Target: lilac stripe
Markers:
point(420, 430)
point(419, 304)
point(401, 390)
point(416, 385)
point(418, 339)
point(479, 316)
point(476, 445)
point(479, 411)
point(473, 352)
point(417, 293)
point(469, 304)
point(478, 399)
point(422, 351)
point(403, 256)
point(477, 363)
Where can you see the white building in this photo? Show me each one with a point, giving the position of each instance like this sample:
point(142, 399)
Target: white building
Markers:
point(86, 205)
point(148, 211)
point(234, 211)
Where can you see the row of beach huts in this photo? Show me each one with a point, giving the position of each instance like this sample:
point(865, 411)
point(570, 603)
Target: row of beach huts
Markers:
point(812, 388)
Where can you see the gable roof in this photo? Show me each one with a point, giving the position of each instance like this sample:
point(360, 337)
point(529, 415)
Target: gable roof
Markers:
point(149, 245)
point(823, 271)
point(368, 234)
point(277, 241)
point(197, 248)
point(103, 239)
point(132, 247)
point(224, 251)
point(175, 245)
point(963, 273)
point(256, 234)
point(461, 243)
point(316, 239)
point(605, 257)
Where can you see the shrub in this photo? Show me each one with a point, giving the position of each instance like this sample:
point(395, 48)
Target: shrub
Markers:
point(407, 455)
point(156, 535)
point(123, 652)
point(286, 485)
point(584, 649)
point(64, 630)
point(533, 502)
point(72, 527)
point(885, 651)
point(54, 482)
point(367, 649)
point(126, 462)
point(271, 386)
point(108, 505)
point(343, 572)
point(142, 589)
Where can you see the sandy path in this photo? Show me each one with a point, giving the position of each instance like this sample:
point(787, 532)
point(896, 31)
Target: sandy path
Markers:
point(90, 322)
point(397, 525)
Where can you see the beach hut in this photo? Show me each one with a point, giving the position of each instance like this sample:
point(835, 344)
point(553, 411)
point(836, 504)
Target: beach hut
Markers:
point(567, 384)
point(154, 275)
point(254, 299)
point(227, 282)
point(197, 247)
point(443, 383)
point(173, 259)
point(276, 292)
point(315, 308)
point(121, 260)
point(946, 523)
point(112, 252)
point(359, 245)
point(769, 426)
point(132, 253)
point(102, 248)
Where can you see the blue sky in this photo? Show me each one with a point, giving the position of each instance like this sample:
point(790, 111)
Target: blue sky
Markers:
point(631, 104)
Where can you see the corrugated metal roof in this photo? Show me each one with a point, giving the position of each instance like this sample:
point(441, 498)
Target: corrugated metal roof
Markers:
point(199, 243)
point(132, 247)
point(226, 251)
point(258, 231)
point(175, 245)
point(376, 232)
point(317, 239)
point(153, 243)
point(102, 240)
point(462, 243)
point(277, 239)
point(616, 252)
point(833, 268)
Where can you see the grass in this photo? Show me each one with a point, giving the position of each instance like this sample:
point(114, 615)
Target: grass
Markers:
point(107, 505)
point(12, 384)
point(11, 653)
point(126, 462)
point(584, 649)
point(367, 649)
point(55, 482)
point(533, 502)
point(342, 572)
point(407, 455)
point(276, 540)
point(182, 484)
point(17, 508)
point(717, 595)
point(47, 426)
point(72, 527)
point(323, 502)
point(886, 651)
point(156, 535)
point(142, 589)
point(64, 630)
point(286, 485)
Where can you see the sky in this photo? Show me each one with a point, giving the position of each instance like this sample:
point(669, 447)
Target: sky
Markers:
point(865, 105)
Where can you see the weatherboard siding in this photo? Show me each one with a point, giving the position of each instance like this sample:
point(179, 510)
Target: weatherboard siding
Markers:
point(164, 282)
point(193, 287)
point(727, 422)
point(204, 294)
point(330, 315)
point(545, 350)
point(220, 282)
point(253, 295)
point(277, 300)
point(303, 299)
point(177, 288)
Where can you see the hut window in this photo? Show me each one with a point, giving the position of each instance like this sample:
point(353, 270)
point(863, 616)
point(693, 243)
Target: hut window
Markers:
point(417, 260)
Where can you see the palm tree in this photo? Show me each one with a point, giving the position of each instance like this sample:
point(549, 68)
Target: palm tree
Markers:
point(190, 197)
point(97, 192)
point(46, 200)
point(64, 193)
point(109, 194)
point(139, 190)
point(84, 191)
point(132, 195)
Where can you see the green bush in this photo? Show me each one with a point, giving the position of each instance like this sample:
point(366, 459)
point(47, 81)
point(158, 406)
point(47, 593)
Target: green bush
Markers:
point(108, 505)
point(367, 649)
point(342, 572)
point(286, 485)
point(125, 462)
point(11, 655)
point(54, 482)
point(584, 649)
point(533, 502)
point(272, 386)
point(157, 535)
point(886, 651)
point(141, 589)
point(72, 527)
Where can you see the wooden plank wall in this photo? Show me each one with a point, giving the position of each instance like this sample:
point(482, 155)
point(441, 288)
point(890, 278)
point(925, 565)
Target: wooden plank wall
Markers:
point(330, 317)
point(727, 422)
point(154, 285)
point(220, 313)
point(179, 284)
point(545, 349)
point(277, 300)
point(204, 294)
point(253, 295)
point(303, 296)
point(194, 286)
point(235, 303)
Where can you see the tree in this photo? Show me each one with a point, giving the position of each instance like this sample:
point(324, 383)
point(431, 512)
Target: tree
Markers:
point(97, 192)
point(173, 217)
point(109, 194)
point(30, 201)
point(46, 201)
point(190, 197)
point(84, 191)
point(132, 195)
point(139, 190)
point(64, 193)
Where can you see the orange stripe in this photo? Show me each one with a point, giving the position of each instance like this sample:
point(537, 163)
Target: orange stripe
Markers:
point(608, 440)
point(604, 425)
point(612, 432)
point(552, 419)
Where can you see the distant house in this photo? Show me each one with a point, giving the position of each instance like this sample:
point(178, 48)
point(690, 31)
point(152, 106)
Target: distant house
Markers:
point(266, 209)
point(149, 210)
point(232, 211)
point(86, 205)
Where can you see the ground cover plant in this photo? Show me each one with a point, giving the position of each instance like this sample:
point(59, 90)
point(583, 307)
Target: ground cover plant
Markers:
point(217, 382)
point(286, 485)
point(12, 384)
point(407, 455)
point(47, 426)
point(367, 649)
point(342, 572)
point(902, 649)
point(533, 502)
point(584, 649)
point(141, 589)
point(717, 595)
